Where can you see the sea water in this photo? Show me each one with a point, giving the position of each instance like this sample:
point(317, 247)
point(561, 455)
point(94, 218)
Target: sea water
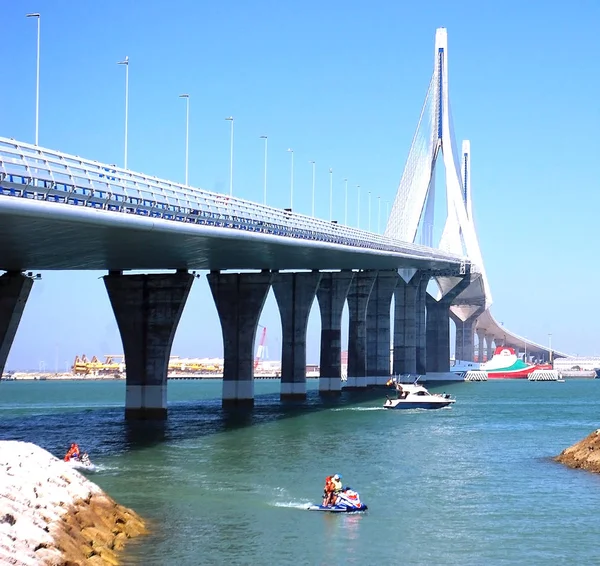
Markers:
point(471, 484)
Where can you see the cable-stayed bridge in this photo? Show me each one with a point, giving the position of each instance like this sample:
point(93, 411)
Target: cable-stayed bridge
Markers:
point(59, 211)
point(412, 217)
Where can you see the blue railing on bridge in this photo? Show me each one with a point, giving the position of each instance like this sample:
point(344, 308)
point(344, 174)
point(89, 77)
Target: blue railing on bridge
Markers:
point(31, 172)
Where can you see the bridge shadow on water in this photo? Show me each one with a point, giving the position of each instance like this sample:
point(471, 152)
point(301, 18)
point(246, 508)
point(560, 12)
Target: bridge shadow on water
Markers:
point(104, 430)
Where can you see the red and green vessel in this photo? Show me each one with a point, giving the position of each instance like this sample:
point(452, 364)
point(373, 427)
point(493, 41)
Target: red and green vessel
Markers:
point(506, 365)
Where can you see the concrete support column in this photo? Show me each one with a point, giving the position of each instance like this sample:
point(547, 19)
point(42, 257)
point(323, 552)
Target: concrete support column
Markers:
point(358, 298)
point(438, 335)
point(489, 339)
point(465, 336)
point(239, 298)
point(438, 328)
point(464, 340)
point(331, 295)
point(147, 309)
point(378, 327)
point(14, 291)
point(295, 293)
point(405, 322)
point(480, 345)
point(421, 326)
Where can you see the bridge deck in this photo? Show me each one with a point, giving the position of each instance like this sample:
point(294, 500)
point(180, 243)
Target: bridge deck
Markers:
point(60, 211)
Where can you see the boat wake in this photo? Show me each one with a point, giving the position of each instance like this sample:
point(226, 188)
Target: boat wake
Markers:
point(360, 409)
point(291, 504)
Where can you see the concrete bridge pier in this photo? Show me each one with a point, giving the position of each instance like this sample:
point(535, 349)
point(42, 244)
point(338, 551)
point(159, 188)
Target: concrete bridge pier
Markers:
point(465, 336)
point(421, 326)
point(331, 295)
point(378, 327)
point(358, 298)
point(489, 340)
point(438, 328)
point(239, 298)
point(147, 309)
point(14, 292)
point(295, 294)
point(405, 325)
point(480, 343)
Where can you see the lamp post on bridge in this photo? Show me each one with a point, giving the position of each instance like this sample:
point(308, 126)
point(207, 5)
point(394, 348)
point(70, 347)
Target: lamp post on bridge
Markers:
point(126, 63)
point(346, 203)
point(330, 194)
point(37, 80)
point(358, 208)
point(187, 134)
point(550, 346)
point(230, 119)
point(291, 151)
point(265, 180)
point(313, 188)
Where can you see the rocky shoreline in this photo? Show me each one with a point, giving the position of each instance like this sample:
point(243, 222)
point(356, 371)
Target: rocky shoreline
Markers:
point(585, 454)
point(50, 514)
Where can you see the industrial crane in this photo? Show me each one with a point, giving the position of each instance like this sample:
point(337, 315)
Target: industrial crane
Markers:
point(260, 351)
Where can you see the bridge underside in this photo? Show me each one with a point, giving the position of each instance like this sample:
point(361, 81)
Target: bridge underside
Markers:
point(39, 236)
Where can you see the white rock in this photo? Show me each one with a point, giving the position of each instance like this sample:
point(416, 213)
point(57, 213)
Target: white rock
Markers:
point(36, 489)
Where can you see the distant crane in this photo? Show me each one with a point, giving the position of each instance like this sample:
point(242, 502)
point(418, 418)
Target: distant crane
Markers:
point(260, 351)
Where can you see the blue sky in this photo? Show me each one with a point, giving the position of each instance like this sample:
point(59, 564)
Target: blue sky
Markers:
point(342, 83)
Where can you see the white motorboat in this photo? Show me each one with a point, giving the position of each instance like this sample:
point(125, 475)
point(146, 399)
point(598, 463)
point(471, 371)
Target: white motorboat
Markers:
point(414, 396)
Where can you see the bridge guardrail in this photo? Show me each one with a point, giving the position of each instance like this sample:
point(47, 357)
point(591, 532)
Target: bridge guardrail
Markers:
point(28, 171)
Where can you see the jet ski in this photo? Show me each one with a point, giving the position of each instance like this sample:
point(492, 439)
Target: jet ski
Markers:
point(83, 464)
point(348, 501)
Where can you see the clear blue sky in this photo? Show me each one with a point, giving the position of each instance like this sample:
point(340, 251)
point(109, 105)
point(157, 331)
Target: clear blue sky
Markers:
point(342, 83)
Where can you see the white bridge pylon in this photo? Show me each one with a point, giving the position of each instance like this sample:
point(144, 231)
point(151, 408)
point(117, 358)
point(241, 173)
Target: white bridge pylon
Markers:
point(412, 215)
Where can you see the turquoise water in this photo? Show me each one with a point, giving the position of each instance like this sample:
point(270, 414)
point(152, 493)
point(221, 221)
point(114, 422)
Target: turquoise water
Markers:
point(473, 484)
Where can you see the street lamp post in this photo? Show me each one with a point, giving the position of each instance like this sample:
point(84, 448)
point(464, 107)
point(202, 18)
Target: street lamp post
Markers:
point(346, 203)
point(330, 194)
point(265, 180)
point(187, 134)
point(126, 63)
point(291, 151)
point(230, 119)
point(313, 188)
point(358, 208)
point(550, 346)
point(37, 80)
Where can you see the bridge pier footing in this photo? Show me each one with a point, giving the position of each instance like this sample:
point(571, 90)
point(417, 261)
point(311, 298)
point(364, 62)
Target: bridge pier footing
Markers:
point(331, 294)
point(378, 328)
point(147, 309)
point(14, 292)
point(295, 294)
point(239, 298)
point(358, 299)
point(405, 325)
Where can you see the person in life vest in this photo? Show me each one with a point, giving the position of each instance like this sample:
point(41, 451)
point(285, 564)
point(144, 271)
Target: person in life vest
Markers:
point(73, 452)
point(328, 492)
point(337, 483)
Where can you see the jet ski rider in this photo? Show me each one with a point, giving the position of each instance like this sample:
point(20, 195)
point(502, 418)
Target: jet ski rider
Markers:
point(333, 486)
point(73, 452)
point(327, 492)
